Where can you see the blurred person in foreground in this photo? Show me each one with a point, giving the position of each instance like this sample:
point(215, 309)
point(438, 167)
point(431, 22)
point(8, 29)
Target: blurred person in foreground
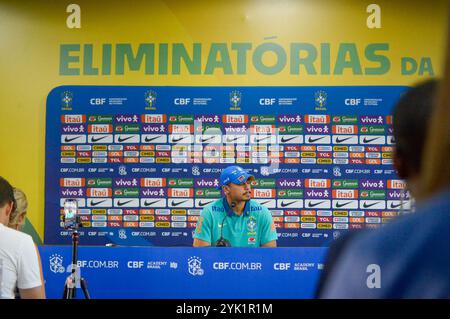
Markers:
point(19, 258)
point(410, 257)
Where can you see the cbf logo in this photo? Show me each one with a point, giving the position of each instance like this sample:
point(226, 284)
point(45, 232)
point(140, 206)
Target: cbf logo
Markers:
point(66, 100)
point(56, 263)
point(150, 100)
point(320, 97)
point(195, 266)
point(251, 224)
point(235, 100)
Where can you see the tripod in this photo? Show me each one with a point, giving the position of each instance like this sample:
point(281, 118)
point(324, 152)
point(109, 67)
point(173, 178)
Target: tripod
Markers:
point(71, 280)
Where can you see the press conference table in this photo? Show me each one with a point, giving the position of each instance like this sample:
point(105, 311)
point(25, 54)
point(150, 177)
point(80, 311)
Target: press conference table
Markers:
point(185, 272)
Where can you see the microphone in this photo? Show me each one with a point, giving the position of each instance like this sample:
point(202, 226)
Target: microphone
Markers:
point(222, 242)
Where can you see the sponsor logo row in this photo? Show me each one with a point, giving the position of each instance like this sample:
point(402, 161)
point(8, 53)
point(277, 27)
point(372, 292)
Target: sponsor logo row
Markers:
point(160, 182)
point(226, 118)
point(264, 139)
point(269, 203)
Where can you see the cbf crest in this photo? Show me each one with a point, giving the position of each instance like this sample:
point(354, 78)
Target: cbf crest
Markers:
point(150, 100)
point(320, 98)
point(66, 100)
point(251, 224)
point(235, 100)
point(56, 263)
point(195, 266)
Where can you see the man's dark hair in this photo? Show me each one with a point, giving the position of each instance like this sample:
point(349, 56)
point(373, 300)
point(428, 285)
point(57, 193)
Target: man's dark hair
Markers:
point(411, 117)
point(6, 192)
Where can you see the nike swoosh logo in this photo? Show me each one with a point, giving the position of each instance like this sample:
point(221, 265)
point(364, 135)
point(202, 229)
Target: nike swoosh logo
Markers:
point(283, 204)
point(284, 140)
point(262, 203)
point(233, 139)
point(338, 140)
point(150, 203)
point(202, 140)
point(200, 203)
point(96, 139)
point(396, 206)
point(179, 203)
point(365, 205)
point(124, 139)
point(119, 203)
point(315, 204)
point(339, 205)
point(70, 139)
point(365, 140)
point(97, 203)
point(178, 139)
point(312, 140)
point(149, 139)
point(261, 139)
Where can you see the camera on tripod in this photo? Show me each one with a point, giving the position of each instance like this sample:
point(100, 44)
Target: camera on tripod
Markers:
point(72, 221)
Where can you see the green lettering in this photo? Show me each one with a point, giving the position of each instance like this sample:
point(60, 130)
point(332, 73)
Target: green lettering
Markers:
point(279, 52)
point(106, 59)
point(342, 62)
point(144, 50)
point(193, 65)
point(213, 62)
point(163, 60)
point(88, 69)
point(384, 63)
point(307, 61)
point(241, 49)
point(66, 58)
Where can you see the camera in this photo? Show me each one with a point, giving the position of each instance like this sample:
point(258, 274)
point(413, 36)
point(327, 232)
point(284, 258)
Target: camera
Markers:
point(71, 219)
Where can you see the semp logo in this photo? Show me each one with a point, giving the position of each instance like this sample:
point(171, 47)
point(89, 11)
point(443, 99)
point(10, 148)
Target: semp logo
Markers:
point(56, 263)
point(66, 99)
point(195, 266)
point(235, 100)
point(320, 97)
point(150, 99)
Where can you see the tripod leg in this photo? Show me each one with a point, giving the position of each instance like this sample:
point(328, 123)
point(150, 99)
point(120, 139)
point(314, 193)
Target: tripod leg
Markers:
point(69, 288)
point(83, 284)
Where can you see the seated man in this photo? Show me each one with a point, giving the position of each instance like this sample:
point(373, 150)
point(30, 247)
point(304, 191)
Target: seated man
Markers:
point(235, 220)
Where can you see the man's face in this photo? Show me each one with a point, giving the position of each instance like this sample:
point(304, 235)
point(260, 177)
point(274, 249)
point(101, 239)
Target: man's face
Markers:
point(238, 192)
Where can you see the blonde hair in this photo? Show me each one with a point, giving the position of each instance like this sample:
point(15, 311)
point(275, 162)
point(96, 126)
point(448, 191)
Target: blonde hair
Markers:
point(21, 208)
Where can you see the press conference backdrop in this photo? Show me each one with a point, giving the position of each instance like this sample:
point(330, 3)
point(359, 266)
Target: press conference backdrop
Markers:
point(184, 273)
point(142, 162)
point(163, 46)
